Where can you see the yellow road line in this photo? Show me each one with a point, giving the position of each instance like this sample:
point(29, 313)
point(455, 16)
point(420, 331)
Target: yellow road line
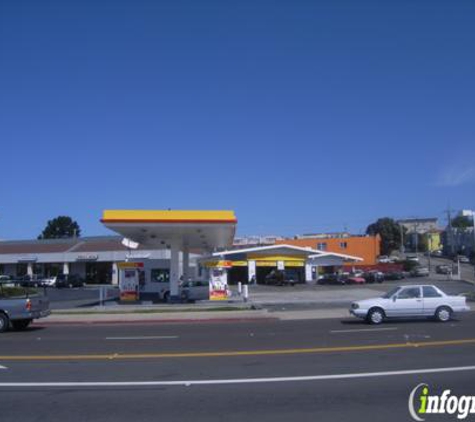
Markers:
point(113, 356)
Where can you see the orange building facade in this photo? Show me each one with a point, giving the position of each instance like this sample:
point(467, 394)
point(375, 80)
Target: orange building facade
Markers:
point(366, 247)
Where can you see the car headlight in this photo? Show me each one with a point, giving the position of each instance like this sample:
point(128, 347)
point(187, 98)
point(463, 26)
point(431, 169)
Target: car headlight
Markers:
point(354, 306)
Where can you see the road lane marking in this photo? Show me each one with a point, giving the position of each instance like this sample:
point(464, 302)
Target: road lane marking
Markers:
point(363, 330)
point(111, 356)
point(142, 338)
point(188, 383)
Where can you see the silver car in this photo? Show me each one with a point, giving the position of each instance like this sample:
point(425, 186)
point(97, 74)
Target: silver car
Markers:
point(195, 290)
point(410, 302)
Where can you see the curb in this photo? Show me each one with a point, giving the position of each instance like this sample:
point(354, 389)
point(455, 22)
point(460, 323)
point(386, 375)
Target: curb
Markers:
point(152, 321)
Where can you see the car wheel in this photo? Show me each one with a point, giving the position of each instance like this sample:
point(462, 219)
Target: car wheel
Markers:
point(21, 324)
point(443, 314)
point(4, 323)
point(376, 316)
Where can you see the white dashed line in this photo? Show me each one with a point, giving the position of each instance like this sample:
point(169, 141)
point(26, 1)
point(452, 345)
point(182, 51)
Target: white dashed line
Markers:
point(143, 338)
point(364, 330)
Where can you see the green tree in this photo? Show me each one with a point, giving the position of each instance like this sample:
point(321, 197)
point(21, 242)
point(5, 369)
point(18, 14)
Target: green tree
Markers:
point(390, 233)
point(422, 242)
point(60, 227)
point(462, 222)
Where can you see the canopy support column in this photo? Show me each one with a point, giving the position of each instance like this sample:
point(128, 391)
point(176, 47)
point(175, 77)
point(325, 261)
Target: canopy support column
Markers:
point(186, 263)
point(174, 271)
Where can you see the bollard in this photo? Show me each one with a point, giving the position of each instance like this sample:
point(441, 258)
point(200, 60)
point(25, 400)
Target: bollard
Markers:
point(239, 288)
point(245, 293)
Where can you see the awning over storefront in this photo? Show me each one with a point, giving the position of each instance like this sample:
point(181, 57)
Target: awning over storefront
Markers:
point(277, 256)
point(290, 255)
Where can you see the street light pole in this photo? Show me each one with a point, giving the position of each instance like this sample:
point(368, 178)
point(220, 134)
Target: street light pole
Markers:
point(401, 248)
point(430, 251)
point(416, 239)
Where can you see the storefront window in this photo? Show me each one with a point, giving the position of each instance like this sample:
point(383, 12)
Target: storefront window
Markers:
point(21, 270)
point(160, 275)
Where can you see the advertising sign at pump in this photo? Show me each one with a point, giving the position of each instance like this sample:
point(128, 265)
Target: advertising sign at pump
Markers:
point(129, 283)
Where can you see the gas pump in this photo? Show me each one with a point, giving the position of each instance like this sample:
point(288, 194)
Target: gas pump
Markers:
point(218, 283)
point(131, 276)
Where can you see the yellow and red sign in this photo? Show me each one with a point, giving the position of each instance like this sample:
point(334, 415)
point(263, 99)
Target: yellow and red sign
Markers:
point(126, 265)
point(218, 295)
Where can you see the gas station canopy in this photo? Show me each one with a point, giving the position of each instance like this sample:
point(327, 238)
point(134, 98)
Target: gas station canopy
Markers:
point(202, 230)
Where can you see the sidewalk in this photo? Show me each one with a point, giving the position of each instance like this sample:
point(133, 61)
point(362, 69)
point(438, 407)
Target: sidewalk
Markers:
point(182, 314)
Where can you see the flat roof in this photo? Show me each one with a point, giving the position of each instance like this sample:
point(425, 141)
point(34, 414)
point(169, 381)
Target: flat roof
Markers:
point(73, 244)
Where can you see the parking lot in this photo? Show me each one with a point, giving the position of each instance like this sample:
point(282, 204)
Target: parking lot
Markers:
point(302, 296)
point(311, 296)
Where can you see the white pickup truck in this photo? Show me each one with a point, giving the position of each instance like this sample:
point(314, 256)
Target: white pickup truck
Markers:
point(19, 307)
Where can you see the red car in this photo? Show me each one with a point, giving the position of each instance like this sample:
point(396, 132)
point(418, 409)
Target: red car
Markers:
point(355, 280)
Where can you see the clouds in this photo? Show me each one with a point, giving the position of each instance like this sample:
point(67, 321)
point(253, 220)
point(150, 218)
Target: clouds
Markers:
point(457, 176)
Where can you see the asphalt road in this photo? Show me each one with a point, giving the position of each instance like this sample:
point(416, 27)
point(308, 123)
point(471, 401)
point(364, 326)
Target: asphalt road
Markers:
point(232, 371)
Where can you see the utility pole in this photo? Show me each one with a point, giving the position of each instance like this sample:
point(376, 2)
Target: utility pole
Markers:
point(473, 220)
point(416, 238)
point(401, 232)
point(451, 234)
point(430, 251)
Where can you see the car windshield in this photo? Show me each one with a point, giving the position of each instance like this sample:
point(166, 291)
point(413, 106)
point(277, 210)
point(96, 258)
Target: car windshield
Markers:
point(390, 293)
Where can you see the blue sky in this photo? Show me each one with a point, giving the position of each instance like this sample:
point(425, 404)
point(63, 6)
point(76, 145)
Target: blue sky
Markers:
point(302, 116)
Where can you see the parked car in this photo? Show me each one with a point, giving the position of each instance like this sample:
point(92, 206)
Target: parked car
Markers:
point(6, 280)
point(332, 279)
point(462, 259)
point(394, 275)
point(443, 269)
point(50, 281)
point(420, 272)
point(410, 302)
point(355, 280)
point(194, 290)
point(374, 277)
point(18, 307)
point(287, 277)
point(68, 280)
point(413, 258)
point(29, 281)
point(384, 259)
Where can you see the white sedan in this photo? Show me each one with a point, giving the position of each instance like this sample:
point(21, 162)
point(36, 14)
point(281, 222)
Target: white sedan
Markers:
point(410, 302)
